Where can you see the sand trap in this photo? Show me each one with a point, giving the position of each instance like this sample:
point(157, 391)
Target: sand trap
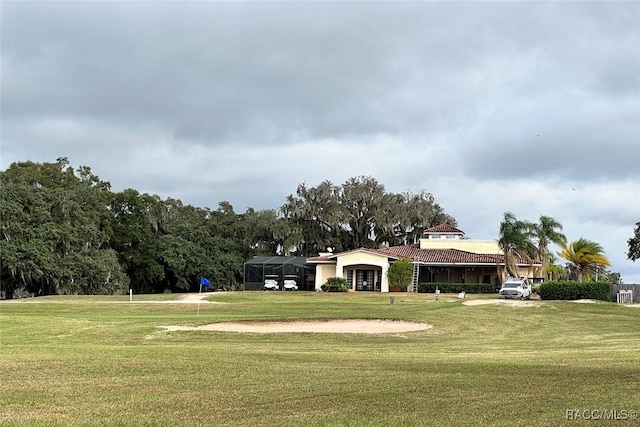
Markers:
point(507, 302)
point(328, 326)
point(526, 303)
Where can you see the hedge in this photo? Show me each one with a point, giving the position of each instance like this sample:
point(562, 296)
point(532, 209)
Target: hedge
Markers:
point(573, 290)
point(470, 288)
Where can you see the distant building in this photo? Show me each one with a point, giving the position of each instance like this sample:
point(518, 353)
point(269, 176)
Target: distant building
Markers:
point(443, 255)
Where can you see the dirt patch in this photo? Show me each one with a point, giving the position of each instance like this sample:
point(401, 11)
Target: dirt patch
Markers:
point(507, 302)
point(328, 326)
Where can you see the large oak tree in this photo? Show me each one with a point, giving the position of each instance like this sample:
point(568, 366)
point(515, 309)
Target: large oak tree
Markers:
point(359, 213)
point(55, 231)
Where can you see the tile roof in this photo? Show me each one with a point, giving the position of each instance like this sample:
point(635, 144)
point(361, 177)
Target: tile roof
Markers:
point(432, 256)
point(332, 257)
point(448, 256)
point(443, 228)
point(321, 258)
point(441, 256)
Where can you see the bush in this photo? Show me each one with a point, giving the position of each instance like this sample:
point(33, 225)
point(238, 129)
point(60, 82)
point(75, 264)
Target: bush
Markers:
point(572, 290)
point(470, 288)
point(400, 274)
point(336, 284)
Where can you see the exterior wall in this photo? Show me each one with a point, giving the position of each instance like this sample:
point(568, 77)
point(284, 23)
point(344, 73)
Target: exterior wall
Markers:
point(366, 259)
point(525, 271)
point(443, 236)
point(475, 246)
point(323, 272)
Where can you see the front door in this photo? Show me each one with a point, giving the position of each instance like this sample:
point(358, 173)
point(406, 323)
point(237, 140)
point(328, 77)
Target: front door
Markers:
point(365, 280)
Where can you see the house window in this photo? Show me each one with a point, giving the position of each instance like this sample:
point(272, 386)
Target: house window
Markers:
point(350, 277)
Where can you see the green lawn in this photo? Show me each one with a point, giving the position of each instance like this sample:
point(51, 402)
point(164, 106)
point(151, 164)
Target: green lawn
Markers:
point(92, 361)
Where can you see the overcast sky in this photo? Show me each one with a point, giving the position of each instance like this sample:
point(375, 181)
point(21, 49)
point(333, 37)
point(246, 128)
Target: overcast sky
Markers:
point(528, 107)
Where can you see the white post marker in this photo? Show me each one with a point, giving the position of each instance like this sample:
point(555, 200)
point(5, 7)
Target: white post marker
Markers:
point(130, 295)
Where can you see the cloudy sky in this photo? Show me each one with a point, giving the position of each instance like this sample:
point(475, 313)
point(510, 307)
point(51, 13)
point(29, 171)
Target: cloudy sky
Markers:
point(528, 107)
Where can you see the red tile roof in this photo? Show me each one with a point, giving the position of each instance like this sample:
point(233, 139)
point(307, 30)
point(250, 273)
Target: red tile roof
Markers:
point(432, 256)
point(321, 258)
point(444, 228)
point(441, 256)
point(332, 257)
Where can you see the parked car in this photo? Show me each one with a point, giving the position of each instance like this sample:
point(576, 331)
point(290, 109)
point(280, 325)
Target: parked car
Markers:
point(271, 285)
point(515, 288)
point(290, 285)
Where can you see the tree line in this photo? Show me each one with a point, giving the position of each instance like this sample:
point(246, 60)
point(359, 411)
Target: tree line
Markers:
point(63, 231)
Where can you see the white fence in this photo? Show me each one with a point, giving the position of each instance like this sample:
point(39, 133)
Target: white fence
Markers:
point(625, 294)
point(625, 297)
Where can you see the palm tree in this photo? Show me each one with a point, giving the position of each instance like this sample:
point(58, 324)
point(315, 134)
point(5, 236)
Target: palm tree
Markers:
point(584, 255)
point(552, 270)
point(547, 231)
point(515, 239)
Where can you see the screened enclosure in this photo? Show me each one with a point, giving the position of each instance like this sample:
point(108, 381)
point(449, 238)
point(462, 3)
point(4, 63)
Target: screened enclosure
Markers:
point(279, 268)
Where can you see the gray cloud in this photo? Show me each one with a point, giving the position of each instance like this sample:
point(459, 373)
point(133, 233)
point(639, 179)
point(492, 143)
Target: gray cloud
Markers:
point(526, 107)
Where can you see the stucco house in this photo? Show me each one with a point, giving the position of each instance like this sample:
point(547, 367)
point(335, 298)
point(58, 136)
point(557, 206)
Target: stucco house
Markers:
point(443, 255)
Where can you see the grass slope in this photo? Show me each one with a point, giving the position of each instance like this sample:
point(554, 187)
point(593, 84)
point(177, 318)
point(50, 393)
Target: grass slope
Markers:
point(91, 361)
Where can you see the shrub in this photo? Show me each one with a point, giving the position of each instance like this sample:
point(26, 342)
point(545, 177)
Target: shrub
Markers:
point(400, 273)
point(470, 288)
point(572, 290)
point(336, 284)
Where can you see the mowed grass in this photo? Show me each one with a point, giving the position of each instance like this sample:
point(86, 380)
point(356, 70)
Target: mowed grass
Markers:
point(105, 361)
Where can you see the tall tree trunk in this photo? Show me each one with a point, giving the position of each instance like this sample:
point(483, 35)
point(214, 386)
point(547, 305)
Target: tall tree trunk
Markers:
point(503, 273)
point(510, 264)
point(8, 293)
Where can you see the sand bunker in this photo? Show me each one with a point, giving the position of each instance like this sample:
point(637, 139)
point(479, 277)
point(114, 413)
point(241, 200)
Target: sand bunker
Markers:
point(507, 302)
point(328, 326)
